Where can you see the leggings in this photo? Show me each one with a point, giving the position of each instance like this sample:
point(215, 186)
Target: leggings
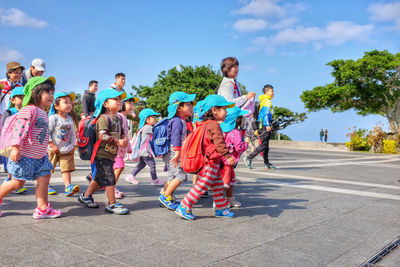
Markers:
point(143, 161)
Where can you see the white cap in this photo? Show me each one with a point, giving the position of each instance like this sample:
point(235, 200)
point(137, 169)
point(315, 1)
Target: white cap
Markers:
point(39, 64)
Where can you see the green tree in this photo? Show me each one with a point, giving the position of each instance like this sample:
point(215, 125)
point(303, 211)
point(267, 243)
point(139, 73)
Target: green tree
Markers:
point(286, 117)
point(369, 85)
point(199, 80)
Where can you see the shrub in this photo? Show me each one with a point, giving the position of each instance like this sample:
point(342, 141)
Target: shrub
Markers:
point(389, 146)
point(358, 140)
point(376, 138)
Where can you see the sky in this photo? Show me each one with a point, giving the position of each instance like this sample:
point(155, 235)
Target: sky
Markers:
point(283, 43)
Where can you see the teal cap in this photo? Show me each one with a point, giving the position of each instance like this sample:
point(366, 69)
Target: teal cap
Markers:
point(197, 112)
point(129, 96)
point(58, 95)
point(215, 101)
point(103, 96)
point(15, 92)
point(230, 121)
point(175, 99)
point(147, 112)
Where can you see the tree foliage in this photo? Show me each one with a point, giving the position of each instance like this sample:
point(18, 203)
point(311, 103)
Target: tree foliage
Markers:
point(199, 80)
point(286, 117)
point(369, 85)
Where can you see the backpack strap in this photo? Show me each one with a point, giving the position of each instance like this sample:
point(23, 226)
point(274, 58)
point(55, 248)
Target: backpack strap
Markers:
point(98, 142)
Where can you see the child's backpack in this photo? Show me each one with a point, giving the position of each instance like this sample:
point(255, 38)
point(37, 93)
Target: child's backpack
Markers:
point(160, 142)
point(135, 143)
point(192, 156)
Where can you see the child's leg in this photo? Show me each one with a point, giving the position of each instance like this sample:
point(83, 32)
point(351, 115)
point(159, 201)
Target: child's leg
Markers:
point(229, 191)
point(173, 185)
point(110, 193)
point(152, 165)
point(67, 165)
point(41, 191)
point(194, 179)
point(138, 167)
point(218, 194)
point(117, 173)
point(93, 187)
point(8, 186)
point(66, 178)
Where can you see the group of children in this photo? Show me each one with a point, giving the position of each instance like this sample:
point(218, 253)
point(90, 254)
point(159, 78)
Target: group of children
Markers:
point(37, 141)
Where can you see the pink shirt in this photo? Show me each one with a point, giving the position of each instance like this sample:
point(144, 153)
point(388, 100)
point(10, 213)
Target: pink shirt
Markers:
point(125, 128)
point(234, 141)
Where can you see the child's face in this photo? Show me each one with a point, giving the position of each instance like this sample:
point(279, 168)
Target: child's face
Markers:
point(186, 110)
point(219, 113)
point(270, 93)
point(233, 72)
point(47, 99)
point(17, 101)
point(113, 105)
point(128, 107)
point(151, 120)
point(16, 75)
point(65, 105)
point(120, 81)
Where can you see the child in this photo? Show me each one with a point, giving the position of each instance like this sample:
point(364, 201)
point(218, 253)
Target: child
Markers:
point(214, 110)
point(265, 119)
point(29, 139)
point(111, 136)
point(62, 140)
point(147, 121)
point(15, 104)
point(179, 110)
point(119, 164)
point(236, 144)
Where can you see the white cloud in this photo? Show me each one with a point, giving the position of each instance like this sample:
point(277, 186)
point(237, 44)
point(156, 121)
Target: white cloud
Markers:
point(262, 8)
point(261, 40)
point(15, 17)
point(7, 55)
point(178, 67)
point(249, 25)
point(284, 23)
point(272, 70)
point(385, 12)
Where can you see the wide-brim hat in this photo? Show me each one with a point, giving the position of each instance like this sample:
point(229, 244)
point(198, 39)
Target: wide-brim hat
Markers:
point(16, 91)
point(197, 111)
point(31, 84)
point(144, 114)
point(230, 121)
point(14, 65)
point(129, 96)
point(175, 99)
point(215, 101)
point(58, 95)
point(103, 96)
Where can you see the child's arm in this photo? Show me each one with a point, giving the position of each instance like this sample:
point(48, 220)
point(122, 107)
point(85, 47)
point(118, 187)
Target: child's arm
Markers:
point(52, 125)
point(176, 140)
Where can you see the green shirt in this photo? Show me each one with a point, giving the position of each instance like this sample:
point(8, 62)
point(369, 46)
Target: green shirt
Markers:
point(107, 151)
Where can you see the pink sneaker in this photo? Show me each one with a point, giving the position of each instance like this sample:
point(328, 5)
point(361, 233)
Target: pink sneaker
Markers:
point(130, 179)
point(118, 194)
point(48, 213)
point(157, 181)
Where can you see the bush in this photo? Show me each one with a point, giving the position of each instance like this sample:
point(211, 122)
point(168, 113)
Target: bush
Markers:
point(283, 137)
point(389, 146)
point(376, 138)
point(358, 140)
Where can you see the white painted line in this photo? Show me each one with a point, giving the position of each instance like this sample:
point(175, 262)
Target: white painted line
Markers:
point(333, 160)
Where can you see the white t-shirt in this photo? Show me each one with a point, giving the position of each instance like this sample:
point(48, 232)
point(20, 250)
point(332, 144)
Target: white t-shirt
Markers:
point(62, 133)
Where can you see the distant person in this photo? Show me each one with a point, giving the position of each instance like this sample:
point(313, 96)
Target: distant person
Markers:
point(326, 135)
point(38, 68)
point(88, 99)
point(119, 83)
point(321, 135)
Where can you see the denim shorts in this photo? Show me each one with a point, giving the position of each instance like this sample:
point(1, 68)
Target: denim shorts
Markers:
point(29, 169)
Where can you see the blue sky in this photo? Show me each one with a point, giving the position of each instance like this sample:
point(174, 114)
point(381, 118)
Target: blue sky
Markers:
point(284, 43)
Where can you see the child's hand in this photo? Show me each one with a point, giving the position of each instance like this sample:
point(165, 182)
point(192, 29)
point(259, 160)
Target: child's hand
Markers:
point(54, 148)
point(231, 161)
point(175, 160)
point(15, 154)
point(123, 143)
point(268, 129)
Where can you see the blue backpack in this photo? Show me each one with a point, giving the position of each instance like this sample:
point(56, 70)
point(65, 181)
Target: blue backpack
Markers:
point(160, 142)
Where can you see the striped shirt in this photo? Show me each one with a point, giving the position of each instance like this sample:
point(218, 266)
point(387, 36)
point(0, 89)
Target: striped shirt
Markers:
point(31, 132)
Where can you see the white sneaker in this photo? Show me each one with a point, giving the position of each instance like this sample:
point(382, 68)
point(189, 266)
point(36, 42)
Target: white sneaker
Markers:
point(132, 180)
point(157, 181)
point(233, 202)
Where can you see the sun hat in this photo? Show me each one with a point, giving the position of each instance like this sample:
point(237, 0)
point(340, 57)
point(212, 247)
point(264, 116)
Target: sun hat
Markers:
point(14, 65)
point(39, 64)
point(129, 96)
point(175, 99)
point(15, 92)
point(197, 112)
point(144, 114)
point(214, 101)
point(58, 95)
point(31, 84)
point(103, 96)
point(230, 121)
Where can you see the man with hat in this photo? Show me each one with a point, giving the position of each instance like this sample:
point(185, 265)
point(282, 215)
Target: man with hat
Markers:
point(38, 67)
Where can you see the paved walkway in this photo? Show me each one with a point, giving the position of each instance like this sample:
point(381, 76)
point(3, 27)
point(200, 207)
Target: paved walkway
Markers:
point(318, 208)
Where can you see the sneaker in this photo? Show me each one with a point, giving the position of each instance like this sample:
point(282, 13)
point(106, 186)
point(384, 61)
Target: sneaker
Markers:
point(118, 194)
point(131, 179)
point(158, 181)
point(20, 190)
point(226, 213)
point(269, 166)
point(71, 190)
point(87, 201)
point(48, 213)
point(116, 208)
point(247, 162)
point(167, 202)
point(50, 190)
point(185, 213)
point(233, 202)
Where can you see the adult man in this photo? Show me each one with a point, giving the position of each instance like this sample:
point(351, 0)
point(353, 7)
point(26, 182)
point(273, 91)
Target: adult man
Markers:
point(88, 99)
point(38, 68)
point(119, 82)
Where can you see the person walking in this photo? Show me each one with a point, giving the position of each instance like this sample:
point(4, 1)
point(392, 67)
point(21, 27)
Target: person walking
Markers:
point(88, 99)
point(321, 135)
point(326, 135)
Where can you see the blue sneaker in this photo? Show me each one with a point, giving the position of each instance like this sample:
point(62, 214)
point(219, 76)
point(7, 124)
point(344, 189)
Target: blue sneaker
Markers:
point(226, 213)
point(184, 213)
point(269, 166)
point(19, 190)
point(71, 190)
point(167, 202)
point(116, 208)
point(51, 190)
point(247, 162)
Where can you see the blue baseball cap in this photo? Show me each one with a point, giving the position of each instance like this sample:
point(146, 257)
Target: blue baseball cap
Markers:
point(103, 96)
point(230, 121)
point(15, 92)
point(129, 96)
point(147, 112)
point(197, 112)
point(58, 95)
point(175, 99)
point(215, 101)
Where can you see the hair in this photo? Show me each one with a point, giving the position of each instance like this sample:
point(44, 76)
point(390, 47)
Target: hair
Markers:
point(123, 103)
point(208, 116)
point(266, 88)
point(38, 90)
point(239, 121)
point(92, 82)
point(57, 102)
point(227, 64)
point(119, 74)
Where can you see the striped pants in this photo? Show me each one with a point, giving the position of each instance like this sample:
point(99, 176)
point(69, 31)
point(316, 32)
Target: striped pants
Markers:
point(208, 177)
